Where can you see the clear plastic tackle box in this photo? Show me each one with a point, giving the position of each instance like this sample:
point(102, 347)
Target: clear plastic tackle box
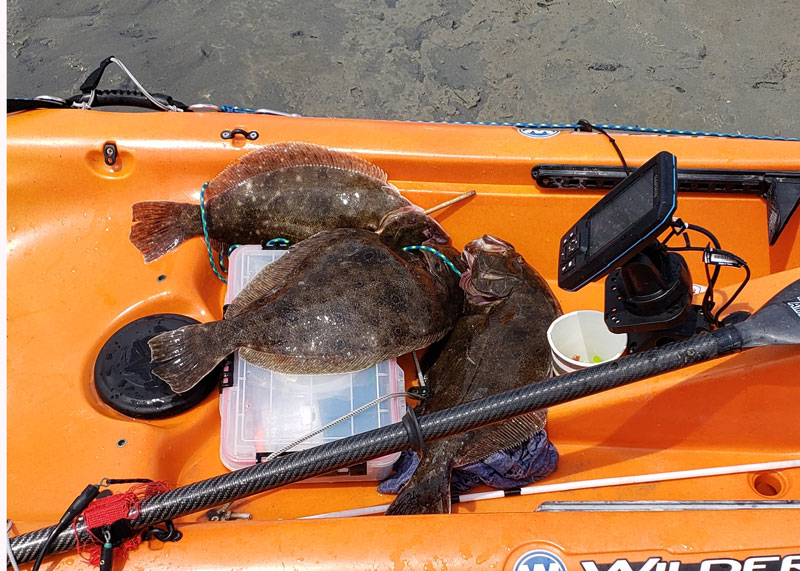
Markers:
point(263, 411)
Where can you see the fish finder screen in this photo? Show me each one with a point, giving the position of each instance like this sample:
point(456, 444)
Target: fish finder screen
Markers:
point(611, 222)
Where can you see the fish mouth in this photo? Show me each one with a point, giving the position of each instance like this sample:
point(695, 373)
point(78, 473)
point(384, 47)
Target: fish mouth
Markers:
point(437, 234)
point(489, 244)
point(484, 245)
point(411, 208)
point(415, 219)
point(474, 295)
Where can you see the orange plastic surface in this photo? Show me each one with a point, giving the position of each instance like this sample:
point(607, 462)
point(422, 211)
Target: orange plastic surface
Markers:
point(74, 279)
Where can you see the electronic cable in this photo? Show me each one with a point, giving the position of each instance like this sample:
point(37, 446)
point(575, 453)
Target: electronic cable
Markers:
point(74, 510)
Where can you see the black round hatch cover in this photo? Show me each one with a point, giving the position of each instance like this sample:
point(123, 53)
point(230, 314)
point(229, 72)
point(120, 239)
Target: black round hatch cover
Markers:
point(123, 373)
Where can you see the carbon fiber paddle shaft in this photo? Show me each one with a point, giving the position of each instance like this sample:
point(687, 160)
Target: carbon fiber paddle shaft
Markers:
point(376, 443)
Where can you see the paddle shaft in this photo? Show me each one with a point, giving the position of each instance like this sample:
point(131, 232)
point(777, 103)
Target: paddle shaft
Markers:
point(393, 438)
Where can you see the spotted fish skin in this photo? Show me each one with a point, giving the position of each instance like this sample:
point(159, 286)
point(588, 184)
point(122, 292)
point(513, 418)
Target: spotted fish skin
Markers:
point(497, 345)
point(342, 300)
point(286, 190)
point(297, 202)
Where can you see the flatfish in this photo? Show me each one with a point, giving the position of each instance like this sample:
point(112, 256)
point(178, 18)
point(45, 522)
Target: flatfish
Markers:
point(498, 344)
point(341, 300)
point(287, 190)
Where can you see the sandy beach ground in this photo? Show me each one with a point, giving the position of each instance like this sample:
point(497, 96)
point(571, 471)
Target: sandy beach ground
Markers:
point(704, 65)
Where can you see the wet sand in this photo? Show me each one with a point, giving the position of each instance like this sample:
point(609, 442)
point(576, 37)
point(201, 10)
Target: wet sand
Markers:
point(705, 65)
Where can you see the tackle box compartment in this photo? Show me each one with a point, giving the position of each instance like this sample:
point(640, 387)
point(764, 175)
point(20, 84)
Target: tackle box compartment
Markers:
point(263, 411)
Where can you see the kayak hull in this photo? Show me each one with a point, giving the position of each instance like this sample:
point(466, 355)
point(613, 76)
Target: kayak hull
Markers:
point(74, 278)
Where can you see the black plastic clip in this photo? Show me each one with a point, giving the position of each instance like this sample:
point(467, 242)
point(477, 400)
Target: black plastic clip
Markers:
point(419, 392)
point(110, 154)
point(414, 432)
point(678, 226)
point(114, 533)
point(231, 133)
point(93, 80)
point(226, 377)
point(169, 533)
point(275, 244)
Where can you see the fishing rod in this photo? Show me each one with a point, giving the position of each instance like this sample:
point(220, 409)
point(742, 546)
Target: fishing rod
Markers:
point(590, 484)
point(776, 323)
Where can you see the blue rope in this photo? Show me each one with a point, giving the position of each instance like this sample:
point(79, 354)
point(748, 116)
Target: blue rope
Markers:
point(222, 255)
point(221, 260)
point(436, 252)
point(228, 255)
point(235, 109)
point(607, 127)
point(205, 235)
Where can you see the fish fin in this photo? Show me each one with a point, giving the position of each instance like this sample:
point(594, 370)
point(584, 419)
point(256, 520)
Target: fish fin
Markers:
point(305, 365)
point(502, 436)
point(433, 351)
point(184, 356)
point(286, 155)
point(428, 490)
point(218, 245)
point(158, 226)
point(271, 277)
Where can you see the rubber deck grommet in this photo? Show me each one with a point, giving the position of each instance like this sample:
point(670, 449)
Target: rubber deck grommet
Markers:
point(123, 373)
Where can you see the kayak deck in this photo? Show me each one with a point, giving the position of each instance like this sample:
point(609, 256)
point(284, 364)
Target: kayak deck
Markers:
point(74, 278)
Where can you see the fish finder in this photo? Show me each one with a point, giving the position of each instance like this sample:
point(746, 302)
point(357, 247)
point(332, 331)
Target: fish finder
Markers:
point(620, 225)
point(648, 291)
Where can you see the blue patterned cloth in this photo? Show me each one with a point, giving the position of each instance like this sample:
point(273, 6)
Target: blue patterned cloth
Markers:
point(513, 468)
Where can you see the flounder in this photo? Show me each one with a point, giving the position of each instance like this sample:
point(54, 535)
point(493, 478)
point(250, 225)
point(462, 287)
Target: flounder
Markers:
point(286, 190)
point(497, 345)
point(341, 300)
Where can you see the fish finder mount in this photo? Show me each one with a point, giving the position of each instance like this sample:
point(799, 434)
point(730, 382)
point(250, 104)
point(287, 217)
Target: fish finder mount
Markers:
point(650, 299)
point(648, 291)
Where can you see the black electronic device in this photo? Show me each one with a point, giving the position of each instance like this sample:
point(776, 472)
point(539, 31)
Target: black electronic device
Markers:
point(620, 225)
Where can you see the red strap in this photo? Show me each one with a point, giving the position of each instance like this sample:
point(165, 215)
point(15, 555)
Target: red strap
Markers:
point(107, 510)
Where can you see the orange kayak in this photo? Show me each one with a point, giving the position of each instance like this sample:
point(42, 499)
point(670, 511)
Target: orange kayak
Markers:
point(74, 279)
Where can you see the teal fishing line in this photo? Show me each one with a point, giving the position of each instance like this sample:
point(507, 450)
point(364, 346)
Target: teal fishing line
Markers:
point(273, 242)
point(205, 234)
point(227, 255)
point(221, 260)
point(222, 254)
point(450, 264)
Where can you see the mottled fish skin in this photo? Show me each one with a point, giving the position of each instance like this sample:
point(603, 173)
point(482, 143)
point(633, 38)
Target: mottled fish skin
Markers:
point(498, 344)
point(286, 190)
point(297, 202)
point(343, 300)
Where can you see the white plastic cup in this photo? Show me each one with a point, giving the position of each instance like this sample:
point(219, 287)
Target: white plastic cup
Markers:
point(580, 340)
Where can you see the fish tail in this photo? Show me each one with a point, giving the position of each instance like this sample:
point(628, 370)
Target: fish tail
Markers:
point(160, 226)
point(184, 356)
point(427, 492)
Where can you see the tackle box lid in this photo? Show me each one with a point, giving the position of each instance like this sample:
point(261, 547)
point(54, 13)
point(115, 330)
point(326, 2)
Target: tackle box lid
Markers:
point(263, 411)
